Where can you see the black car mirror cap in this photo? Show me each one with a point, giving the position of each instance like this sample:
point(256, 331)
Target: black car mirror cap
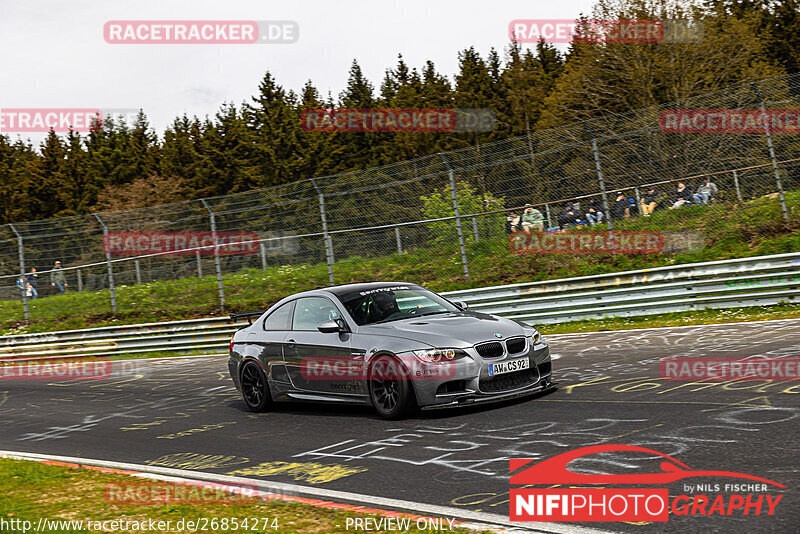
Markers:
point(460, 304)
point(329, 327)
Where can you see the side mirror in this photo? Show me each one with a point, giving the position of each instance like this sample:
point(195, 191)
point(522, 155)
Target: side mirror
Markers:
point(329, 327)
point(460, 304)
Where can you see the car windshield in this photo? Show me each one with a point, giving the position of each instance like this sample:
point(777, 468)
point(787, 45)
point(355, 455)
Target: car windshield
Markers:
point(386, 304)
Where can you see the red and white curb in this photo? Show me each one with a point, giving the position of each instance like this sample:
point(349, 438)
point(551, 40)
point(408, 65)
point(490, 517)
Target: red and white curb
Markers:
point(319, 497)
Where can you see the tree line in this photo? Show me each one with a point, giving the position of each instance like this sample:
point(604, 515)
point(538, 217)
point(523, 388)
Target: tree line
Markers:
point(260, 143)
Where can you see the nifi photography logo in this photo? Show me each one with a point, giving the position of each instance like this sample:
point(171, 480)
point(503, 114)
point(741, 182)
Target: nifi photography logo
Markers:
point(576, 503)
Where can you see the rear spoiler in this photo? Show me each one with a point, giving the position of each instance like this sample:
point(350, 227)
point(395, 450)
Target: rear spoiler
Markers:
point(248, 315)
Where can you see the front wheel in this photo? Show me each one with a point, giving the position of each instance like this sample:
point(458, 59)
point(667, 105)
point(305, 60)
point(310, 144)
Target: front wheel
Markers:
point(255, 390)
point(390, 389)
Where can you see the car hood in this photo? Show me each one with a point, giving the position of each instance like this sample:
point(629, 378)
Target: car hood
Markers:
point(456, 330)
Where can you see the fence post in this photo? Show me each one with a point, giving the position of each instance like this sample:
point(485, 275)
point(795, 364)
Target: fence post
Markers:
point(21, 250)
point(736, 184)
point(547, 212)
point(263, 251)
point(397, 238)
point(638, 200)
point(600, 179)
point(328, 243)
point(457, 212)
point(199, 264)
point(217, 264)
point(772, 155)
point(110, 269)
point(138, 272)
point(80, 280)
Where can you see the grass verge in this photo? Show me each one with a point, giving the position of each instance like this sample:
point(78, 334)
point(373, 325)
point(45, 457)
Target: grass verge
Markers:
point(32, 490)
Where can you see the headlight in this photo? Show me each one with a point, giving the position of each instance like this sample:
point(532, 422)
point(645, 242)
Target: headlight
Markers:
point(536, 337)
point(439, 355)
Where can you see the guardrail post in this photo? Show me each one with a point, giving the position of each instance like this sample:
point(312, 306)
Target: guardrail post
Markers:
point(398, 240)
point(600, 179)
point(199, 264)
point(263, 251)
point(457, 212)
point(328, 243)
point(80, 280)
point(21, 250)
point(217, 263)
point(549, 220)
point(736, 184)
point(772, 156)
point(138, 272)
point(110, 269)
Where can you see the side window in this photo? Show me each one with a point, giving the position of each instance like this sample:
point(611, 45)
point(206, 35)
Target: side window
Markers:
point(311, 311)
point(279, 319)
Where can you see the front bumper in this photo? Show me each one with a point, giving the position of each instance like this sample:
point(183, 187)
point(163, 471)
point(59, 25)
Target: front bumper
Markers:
point(471, 384)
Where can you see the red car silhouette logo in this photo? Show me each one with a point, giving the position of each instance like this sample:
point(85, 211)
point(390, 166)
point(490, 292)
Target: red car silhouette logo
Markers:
point(554, 470)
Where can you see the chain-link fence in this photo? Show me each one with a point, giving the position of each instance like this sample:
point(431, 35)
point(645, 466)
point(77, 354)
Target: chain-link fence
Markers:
point(444, 217)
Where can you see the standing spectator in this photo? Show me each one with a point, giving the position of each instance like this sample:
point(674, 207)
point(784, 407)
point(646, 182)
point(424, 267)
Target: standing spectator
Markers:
point(594, 212)
point(532, 219)
point(33, 280)
point(58, 279)
point(30, 291)
point(22, 285)
point(567, 217)
point(650, 201)
point(705, 192)
point(620, 209)
point(513, 223)
point(682, 196)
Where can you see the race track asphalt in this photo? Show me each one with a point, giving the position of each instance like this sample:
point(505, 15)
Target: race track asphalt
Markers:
point(185, 413)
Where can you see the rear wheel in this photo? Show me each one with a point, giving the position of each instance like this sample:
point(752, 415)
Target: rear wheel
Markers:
point(390, 388)
point(255, 389)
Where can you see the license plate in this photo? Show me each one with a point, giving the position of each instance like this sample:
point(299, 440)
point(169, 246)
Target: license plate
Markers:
point(509, 366)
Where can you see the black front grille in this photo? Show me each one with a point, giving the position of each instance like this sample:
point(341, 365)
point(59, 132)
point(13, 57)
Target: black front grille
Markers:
point(509, 381)
point(493, 349)
point(515, 345)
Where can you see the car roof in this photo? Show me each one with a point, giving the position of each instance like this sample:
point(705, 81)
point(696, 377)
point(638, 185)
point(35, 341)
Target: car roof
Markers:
point(364, 286)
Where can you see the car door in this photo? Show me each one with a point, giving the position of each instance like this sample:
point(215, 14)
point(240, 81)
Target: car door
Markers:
point(320, 362)
point(270, 341)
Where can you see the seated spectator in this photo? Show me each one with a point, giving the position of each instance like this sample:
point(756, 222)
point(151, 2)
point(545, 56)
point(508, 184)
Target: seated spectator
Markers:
point(650, 201)
point(705, 192)
point(532, 219)
point(513, 223)
point(621, 208)
point(568, 217)
point(594, 212)
point(682, 196)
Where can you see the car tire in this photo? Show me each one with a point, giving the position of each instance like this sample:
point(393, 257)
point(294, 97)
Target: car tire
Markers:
point(255, 388)
point(390, 388)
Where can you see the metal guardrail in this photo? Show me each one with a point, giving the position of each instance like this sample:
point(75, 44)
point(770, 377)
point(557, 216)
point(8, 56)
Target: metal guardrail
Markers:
point(761, 280)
